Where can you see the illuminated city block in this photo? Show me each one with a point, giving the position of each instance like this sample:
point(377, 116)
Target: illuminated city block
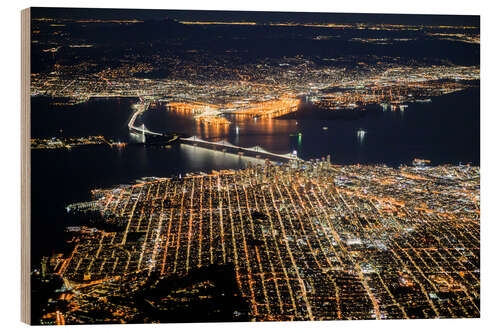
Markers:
point(218, 166)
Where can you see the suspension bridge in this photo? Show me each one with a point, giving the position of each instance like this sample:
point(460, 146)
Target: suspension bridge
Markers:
point(224, 145)
point(140, 129)
point(228, 146)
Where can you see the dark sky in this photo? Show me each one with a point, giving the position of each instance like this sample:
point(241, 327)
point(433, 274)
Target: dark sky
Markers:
point(260, 17)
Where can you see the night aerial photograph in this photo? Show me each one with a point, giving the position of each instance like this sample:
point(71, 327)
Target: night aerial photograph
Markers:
point(218, 166)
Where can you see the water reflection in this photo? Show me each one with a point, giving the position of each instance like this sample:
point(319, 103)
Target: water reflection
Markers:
point(196, 155)
point(361, 133)
point(137, 137)
point(207, 130)
point(396, 135)
point(242, 129)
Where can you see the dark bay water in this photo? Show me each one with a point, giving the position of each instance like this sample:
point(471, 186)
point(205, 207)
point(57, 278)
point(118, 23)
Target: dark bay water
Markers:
point(444, 131)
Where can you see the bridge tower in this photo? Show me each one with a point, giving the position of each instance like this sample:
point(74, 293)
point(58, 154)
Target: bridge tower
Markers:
point(143, 133)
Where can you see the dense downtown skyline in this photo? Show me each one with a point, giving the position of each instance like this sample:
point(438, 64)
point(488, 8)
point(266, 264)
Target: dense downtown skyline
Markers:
point(253, 166)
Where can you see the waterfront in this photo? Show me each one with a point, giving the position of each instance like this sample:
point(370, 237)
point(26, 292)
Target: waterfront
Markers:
point(297, 241)
point(152, 198)
point(444, 131)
